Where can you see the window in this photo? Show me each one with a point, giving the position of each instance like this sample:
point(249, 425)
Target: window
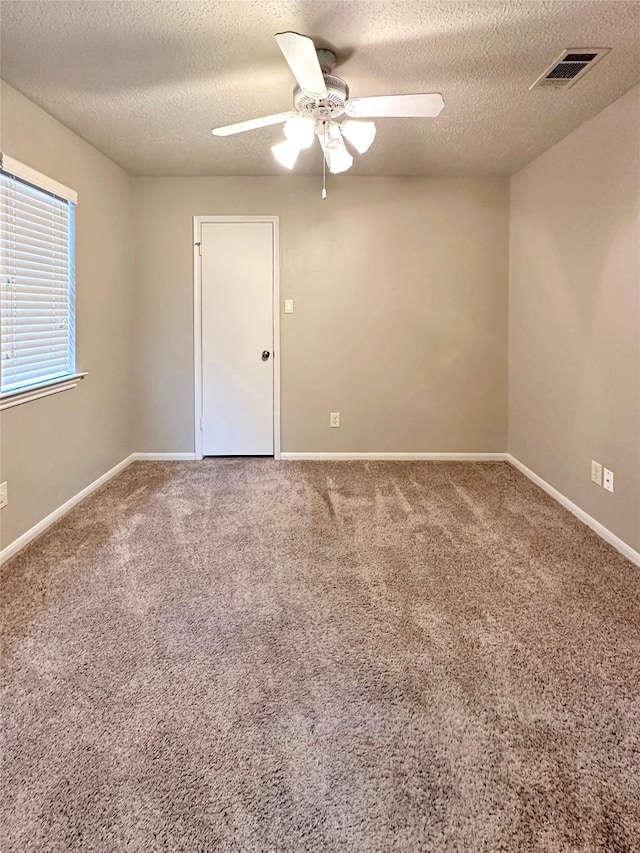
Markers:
point(37, 304)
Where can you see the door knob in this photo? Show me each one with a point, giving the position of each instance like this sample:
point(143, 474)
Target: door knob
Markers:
point(265, 354)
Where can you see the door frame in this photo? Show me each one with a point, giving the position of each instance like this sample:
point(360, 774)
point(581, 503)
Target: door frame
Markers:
point(198, 221)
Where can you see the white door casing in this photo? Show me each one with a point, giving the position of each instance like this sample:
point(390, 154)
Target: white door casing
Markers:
point(235, 323)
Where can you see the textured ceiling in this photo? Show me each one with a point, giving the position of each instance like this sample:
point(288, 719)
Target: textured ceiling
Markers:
point(146, 81)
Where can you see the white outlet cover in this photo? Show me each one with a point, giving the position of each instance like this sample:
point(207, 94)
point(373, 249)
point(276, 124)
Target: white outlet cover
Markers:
point(607, 480)
point(334, 419)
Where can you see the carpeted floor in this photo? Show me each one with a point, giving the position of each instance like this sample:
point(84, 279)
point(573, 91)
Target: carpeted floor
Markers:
point(244, 655)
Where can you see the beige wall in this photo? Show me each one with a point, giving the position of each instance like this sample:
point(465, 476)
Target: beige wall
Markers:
point(54, 447)
point(574, 315)
point(400, 324)
point(400, 288)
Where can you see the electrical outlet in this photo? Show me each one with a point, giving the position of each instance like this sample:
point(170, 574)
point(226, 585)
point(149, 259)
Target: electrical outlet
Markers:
point(334, 419)
point(607, 480)
point(4, 495)
point(596, 473)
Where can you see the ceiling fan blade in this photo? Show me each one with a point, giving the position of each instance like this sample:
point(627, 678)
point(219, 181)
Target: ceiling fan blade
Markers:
point(300, 53)
point(396, 106)
point(251, 124)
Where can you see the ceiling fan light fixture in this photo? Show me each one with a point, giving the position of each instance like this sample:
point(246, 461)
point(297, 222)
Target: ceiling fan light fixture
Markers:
point(333, 137)
point(319, 99)
point(335, 151)
point(339, 159)
point(300, 130)
point(360, 134)
point(286, 153)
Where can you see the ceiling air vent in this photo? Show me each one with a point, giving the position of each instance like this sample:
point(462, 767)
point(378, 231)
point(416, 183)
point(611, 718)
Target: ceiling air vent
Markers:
point(570, 66)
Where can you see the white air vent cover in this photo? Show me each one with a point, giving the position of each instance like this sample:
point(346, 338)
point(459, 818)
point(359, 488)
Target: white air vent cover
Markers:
point(570, 66)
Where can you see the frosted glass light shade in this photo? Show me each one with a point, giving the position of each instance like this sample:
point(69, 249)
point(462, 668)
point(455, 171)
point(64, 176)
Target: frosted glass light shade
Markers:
point(335, 151)
point(300, 130)
point(286, 153)
point(360, 134)
point(334, 137)
point(339, 159)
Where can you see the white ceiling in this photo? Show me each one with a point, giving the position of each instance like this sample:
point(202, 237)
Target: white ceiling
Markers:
point(146, 81)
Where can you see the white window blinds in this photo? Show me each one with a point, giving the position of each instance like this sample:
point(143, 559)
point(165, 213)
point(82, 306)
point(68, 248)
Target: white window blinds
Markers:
point(37, 306)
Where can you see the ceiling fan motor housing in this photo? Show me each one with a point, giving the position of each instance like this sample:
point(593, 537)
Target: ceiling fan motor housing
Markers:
point(323, 108)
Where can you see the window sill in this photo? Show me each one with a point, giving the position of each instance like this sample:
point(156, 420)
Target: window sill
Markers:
point(16, 398)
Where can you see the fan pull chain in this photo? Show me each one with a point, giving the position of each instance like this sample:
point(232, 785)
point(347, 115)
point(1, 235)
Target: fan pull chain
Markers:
point(324, 163)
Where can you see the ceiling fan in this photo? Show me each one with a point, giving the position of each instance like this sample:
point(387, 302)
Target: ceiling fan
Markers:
point(320, 99)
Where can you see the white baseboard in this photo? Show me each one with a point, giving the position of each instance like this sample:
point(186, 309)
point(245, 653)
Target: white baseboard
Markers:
point(22, 541)
point(399, 457)
point(19, 543)
point(602, 531)
point(164, 457)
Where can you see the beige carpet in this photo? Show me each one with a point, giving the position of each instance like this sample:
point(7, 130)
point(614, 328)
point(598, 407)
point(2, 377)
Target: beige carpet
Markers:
point(245, 655)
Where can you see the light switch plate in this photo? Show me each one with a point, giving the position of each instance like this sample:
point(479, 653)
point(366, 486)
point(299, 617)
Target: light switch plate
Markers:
point(4, 495)
point(596, 473)
point(288, 306)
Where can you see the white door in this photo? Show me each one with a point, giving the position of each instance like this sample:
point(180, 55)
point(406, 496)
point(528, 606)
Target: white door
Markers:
point(237, 279)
